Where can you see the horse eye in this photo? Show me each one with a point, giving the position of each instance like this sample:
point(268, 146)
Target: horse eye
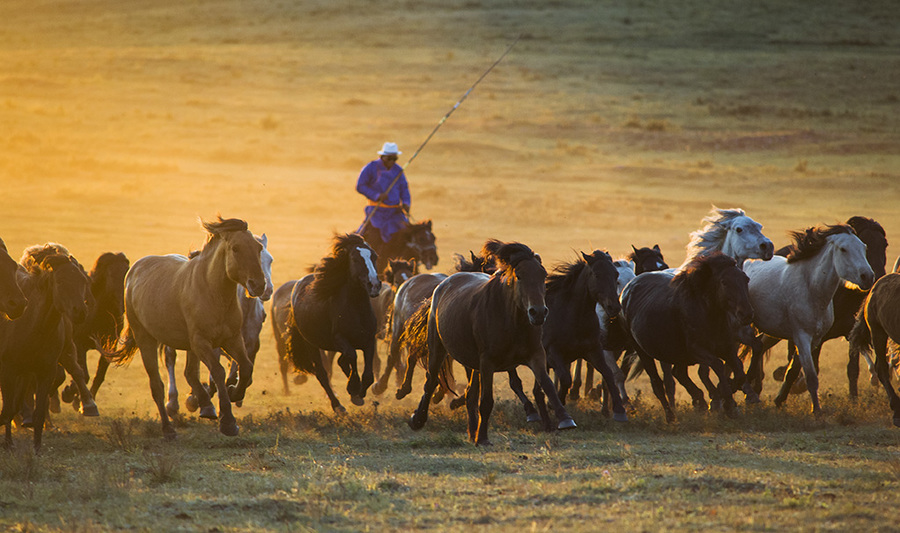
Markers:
point(740, 230)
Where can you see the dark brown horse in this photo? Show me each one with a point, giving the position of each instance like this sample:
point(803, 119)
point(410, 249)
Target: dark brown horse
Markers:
point(573, 330)
point(193, 305)
point(490, 324)
point(415, 241)
point(104, 322)
point(878, 322)
point(693, 318)
point(31, 346)
point(330, 309)
point(12, 300)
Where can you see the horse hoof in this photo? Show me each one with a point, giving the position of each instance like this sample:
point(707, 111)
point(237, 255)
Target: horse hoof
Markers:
point(779, 373)
point(484, 442)
point(378, 389)
point(208, 412)
point(456, 403)
point(533, 417)
point(191, 403)
point(239, 403)
point(67, 395)
point(357, 400)
point(566, 423)
point(416, 422)
point(54, 404)
point(300, 379)
point(620, 417)
point(172, 408)
point(339, 409)
point(235, 394)
point(401, 393)
point(89, 410)
point(229, 430)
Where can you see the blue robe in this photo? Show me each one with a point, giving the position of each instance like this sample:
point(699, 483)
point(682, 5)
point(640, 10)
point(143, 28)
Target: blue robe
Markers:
point(374, 180)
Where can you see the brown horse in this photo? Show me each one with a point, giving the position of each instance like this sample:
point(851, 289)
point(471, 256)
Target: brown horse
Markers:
point(12, 300)
point(878, 322)
point(31, 346)
point(330, 309)
point(415, 241)
point(105, 318)
point(490, 324)
point(193, 305)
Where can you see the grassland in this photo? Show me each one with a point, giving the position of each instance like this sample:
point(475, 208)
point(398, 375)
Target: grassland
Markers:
point(611, 123)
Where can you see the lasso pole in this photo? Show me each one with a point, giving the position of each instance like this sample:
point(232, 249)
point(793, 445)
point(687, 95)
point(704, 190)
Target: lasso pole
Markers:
point(439, 124)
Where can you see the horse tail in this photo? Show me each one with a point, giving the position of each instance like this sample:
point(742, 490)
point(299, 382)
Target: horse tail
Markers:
point(631, 365)
point(415, 334)
point(124, 350)
point(861, 337)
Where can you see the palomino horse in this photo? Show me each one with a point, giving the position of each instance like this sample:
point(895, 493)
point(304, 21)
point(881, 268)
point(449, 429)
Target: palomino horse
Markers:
point(490, 324)
point(572, 330)
point(876, 324)
point(12, 300)
point(792, 297)
point(192, 304)
point(253, 314)
point(415, 241)
point(104, 320)
point(31, 346)
point(692, 318)
point(847, 300)
point(330, 310)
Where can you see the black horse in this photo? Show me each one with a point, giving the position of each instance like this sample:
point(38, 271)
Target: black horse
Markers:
point(490, 324)
point(415, 241)
point(693, 318)
point(846, 301)
point(573, 330)
point(330, 310)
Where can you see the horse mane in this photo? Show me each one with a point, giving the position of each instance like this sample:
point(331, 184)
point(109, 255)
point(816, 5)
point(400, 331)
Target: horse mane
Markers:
point(691, 277)
point(3, 246)
point(711, 235)
point(565, 274)
point(223, 225)
point(506, 255)
point(477, 263)
point(864, 224)
point(104, 262)
point(332, 271)
point(809, 242)
point(34, 256)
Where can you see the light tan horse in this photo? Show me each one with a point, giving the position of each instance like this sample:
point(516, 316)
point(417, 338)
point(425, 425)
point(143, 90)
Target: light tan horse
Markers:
point(193, 305)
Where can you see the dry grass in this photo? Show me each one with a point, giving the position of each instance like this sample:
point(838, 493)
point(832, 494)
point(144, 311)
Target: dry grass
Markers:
point(612, 123)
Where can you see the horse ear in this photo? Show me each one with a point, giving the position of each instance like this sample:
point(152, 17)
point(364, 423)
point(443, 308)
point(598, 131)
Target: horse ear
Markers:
point(586, 257)
point(538, 257)
point(264, 240)
point(389, 274)
point(428, 225)
point(633, 248)
point(656, 247)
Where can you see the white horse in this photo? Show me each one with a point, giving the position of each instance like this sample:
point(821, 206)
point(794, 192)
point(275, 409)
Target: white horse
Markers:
point(792, 297)
point(254, 314)
point(731, 232)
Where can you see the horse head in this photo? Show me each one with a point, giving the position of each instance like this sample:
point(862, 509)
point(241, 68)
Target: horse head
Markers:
point(850, 261)
point(626, 273)
point(12, 300)
point(873, 236)
point(520, 268)
point(647, 259)
point(108, 281)
point(398, 271)
point(69, 285)
point(423, 240)
point(744, 239)
point(266, 259)
point(242, 254)
point(602, 283)
point(362, 267)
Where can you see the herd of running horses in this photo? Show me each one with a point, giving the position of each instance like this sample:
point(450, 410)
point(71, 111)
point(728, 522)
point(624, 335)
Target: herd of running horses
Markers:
point(731, 300)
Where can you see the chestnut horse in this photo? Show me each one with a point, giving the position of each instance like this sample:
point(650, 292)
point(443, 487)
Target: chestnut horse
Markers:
point(490, 324)
point(415, 241)
point(12, 300)
point(31, 346)
point(193, 305)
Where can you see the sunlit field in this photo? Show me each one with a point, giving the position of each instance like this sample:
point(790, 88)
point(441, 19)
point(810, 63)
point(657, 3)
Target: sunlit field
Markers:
point(609, 124)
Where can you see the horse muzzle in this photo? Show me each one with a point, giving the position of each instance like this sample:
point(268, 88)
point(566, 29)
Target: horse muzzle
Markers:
point(537, 315)
point(14, 308)
point(255, 288)
point(766, 250)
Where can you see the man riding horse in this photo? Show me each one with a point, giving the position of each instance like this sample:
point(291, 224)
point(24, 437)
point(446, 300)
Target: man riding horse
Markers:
point(382, 181)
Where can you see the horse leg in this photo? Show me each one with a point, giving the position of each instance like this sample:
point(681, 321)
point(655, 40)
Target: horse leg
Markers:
point(436, 355)
point(698, 400)
point(576, 381)
point(236, 349)
point(473, 391)
point(99, 376)
point(668, 382)
point(715, 399)
point(42, 404)
point(148, 347)
point(321, 373)
point(718, 366)
point(406, 386)
point(882, 370)
point(170, 356)
point(656, 383)
point(485, 404)
point(456, 403)
point(368, 375)
point(618, 376)
point(68, 361)
point(227, 423)
point(853, 372)
point(392, 362)
point(804, 358)
point(598, 361)
point(515, 383)
point(799, 386)
point(538, 367)
point(562, 370)
point(199, 393)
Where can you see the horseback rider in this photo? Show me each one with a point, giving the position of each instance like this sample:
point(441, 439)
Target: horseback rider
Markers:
point(382, 181)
